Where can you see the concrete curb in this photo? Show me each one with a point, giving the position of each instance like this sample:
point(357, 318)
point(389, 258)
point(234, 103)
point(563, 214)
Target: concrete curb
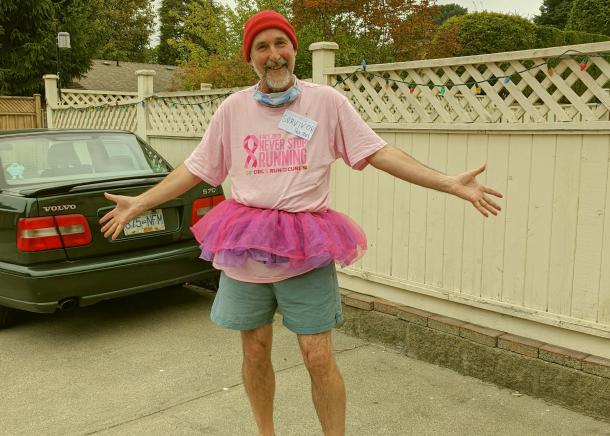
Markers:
point(569, 378)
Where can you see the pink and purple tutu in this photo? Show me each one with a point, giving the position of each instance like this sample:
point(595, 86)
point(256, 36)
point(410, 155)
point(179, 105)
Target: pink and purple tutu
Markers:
point(232, 233)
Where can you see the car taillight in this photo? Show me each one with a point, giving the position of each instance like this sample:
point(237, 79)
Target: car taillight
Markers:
point(37, 234)
point(73, 229)
point(201, 206)
point(52, 232)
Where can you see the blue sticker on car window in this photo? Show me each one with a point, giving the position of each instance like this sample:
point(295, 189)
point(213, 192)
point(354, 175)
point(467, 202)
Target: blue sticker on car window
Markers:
point(15, 170)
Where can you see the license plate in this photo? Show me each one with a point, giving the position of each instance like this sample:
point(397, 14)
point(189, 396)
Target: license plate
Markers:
point(151, 221)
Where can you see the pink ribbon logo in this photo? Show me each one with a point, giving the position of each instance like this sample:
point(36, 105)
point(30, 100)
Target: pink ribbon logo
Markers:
point(251, 159)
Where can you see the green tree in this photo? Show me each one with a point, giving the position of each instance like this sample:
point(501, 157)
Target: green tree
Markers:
point(549, 36)
point(590, 16)
point(28, 42)
point(212, 39)
point(204, 32)
point(372, 30)
point(554, 13)
point(123, 28)
point(219, 72)
point(488, 32)
point(171, 17)
point(413, 35)
point(448, 11)
point(484, 32)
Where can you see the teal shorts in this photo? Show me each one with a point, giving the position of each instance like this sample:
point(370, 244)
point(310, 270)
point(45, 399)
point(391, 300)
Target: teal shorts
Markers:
point(309, 303)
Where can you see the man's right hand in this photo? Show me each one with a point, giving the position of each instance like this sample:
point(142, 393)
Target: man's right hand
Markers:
point(174, 184)
point(126, 209)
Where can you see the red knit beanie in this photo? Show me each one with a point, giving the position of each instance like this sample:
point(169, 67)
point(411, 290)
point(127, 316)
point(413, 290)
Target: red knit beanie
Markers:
point(262, 21)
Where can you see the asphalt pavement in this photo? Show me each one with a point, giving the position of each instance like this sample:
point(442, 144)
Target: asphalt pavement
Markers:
point(154, 364)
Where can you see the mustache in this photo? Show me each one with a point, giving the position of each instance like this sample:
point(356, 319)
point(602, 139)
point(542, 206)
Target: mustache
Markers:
point(280, 63)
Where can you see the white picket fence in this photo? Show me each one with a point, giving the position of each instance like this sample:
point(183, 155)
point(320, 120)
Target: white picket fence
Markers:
point(539, 118)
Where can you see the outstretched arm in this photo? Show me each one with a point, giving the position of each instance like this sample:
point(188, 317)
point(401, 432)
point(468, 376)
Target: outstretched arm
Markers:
point(399, 164)
point(127, 208)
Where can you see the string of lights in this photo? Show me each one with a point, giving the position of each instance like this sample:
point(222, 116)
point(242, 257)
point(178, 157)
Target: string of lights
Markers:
point(551, 64)
point(166, 101)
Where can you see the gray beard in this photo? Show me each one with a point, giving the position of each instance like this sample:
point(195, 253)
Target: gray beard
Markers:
point(275, 85)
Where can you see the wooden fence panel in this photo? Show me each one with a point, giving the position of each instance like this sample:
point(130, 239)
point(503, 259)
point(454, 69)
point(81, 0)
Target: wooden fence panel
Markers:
point(401, 219)
point(495, 228)
point(590, 227)
point(539, 222)
point(564, 222)
point(20, 113)
point(545, 255)
point(435, 233)
point(472, 248)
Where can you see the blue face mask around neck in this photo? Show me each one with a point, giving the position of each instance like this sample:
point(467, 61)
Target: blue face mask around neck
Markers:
point(277, 99)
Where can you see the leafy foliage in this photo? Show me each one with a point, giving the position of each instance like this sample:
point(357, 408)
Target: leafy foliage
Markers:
point(379, 32)
point(590, 16)
point(211, 42)
point(484, 32)
point(413, 36)
point(171, 16)
point(487, 32)
point(219, 72)
point(554, 13)
point(448, 11)
point(123, 28)
point(549, 36)
point(28, 43)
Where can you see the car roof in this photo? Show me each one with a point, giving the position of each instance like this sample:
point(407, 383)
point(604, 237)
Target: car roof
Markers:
point(29, 132)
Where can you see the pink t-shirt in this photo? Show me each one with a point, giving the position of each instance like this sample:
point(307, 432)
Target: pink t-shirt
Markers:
point(272, 169)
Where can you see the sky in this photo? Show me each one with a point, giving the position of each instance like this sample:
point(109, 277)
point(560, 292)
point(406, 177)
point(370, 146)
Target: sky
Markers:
point(525, 8)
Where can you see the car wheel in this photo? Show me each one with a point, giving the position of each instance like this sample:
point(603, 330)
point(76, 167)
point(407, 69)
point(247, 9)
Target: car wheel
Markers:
point(7, 316)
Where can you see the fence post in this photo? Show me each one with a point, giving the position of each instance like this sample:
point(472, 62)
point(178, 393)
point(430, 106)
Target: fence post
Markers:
point(37, 111)
point(322, 57)
point(50, 96)
point(145, 90)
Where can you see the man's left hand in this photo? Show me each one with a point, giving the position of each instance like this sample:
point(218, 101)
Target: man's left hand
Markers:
point(466, 187)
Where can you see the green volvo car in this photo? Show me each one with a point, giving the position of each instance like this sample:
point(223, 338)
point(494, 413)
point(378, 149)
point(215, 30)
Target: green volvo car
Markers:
point(52, 253)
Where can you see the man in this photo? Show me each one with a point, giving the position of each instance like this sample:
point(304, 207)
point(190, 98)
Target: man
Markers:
point(276, 241)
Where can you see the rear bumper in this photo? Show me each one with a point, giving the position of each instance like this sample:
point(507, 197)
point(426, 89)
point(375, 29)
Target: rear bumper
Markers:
point(40, 288)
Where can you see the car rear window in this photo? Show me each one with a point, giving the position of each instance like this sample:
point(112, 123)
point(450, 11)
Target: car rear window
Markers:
point(58, 157)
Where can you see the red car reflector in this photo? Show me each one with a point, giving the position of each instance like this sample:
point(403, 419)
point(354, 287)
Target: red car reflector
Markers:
point(201, 206)
point(74, 230)
point(37, 234)
point(48, 232)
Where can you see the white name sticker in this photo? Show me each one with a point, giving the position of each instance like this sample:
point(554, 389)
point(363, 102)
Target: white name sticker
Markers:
point(298, 125)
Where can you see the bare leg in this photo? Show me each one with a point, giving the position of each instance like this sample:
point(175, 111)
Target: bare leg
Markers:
point(327, 388)
point(258, 375)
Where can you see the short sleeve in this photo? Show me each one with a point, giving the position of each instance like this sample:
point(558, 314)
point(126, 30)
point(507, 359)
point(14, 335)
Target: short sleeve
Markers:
point(354, 139)
point(208, 160)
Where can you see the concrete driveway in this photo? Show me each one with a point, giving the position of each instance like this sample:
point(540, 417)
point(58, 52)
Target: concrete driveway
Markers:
point(154, 364)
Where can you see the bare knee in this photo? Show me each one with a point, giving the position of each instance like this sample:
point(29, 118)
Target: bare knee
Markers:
point(318, 355)
point(256, 346)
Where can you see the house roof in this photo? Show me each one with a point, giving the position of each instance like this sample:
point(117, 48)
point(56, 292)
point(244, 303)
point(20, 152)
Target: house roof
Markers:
point(108, 76)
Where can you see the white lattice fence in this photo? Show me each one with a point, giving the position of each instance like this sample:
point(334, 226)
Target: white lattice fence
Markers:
point(561, 84)
point(96, 110)
point(121, 117)
point(175, 113)
point(183, 112)
point(76, 98)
